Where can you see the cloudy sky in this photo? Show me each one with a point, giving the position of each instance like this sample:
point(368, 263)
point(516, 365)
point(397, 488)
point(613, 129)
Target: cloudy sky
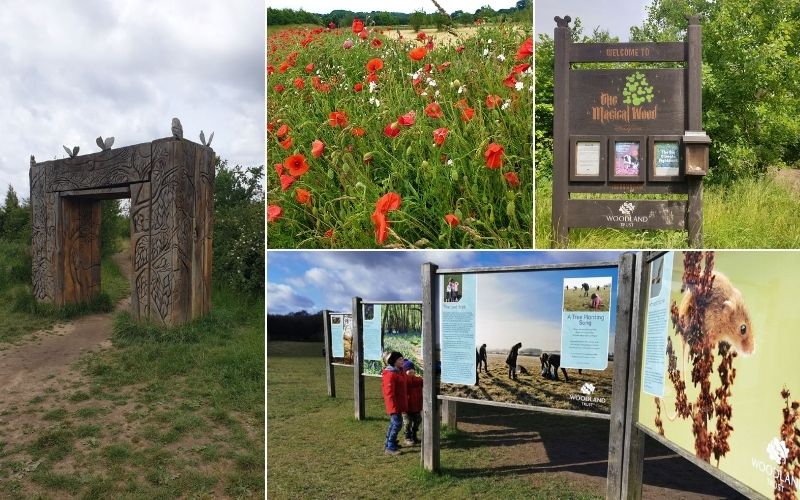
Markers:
point(314, 280)
point(616, 16)
point(76, 69)
point(408, 6)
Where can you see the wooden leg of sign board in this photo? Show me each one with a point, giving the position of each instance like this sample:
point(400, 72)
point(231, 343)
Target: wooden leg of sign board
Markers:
point(633, 461)
point(358, 360)
point(694, 209)
point(449, 414)
point(430, 389)
point(562, 39)
point(328, 355)
point(616, 450)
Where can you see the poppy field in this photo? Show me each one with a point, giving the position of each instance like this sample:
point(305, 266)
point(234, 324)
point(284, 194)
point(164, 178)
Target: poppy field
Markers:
point(377, 140)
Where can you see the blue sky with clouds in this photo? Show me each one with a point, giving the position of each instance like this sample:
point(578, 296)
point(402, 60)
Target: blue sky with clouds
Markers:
point(615, 16)
point(315, 280)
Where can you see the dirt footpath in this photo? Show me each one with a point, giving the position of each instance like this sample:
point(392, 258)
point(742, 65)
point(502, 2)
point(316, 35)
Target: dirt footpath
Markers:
point(26, 368)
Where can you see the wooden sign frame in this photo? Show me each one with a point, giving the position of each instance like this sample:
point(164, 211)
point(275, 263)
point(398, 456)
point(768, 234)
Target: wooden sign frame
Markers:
point(329, 358)
point(652, 104)
point(431, 413)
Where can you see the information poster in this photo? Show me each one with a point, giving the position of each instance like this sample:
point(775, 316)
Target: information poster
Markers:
point(667, 158)
point(585, 322)
point(337, 335)
point(373, 341)
point(626, 158)
point(505, 344)
point(732, 326)
point(658, 304)
point(458, 297)
point(401, 331)
point(588, 158)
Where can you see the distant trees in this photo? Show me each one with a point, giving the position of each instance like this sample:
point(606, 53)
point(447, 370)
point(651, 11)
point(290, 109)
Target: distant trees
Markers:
point(289, 16)
point(298, 326)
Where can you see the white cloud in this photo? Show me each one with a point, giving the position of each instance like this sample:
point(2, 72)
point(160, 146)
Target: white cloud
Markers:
point(282, 299)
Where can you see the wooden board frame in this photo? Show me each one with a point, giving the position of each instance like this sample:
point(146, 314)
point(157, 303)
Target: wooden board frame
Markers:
point(566, 211)
point(431, 431)
point(651, 155)
point(330, 361)
point(612, 158)
point(602, 160)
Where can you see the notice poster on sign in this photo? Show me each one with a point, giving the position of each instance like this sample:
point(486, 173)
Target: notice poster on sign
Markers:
point(585, 322)
point(654, 369)
point(588, 158)
point(337, 335)
point(731, 386)
point(457, 326)
point(626, 159)
point(373, 341)
point(666, 159)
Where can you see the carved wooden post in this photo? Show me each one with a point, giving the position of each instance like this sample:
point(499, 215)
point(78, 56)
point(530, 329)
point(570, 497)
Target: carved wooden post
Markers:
point(170, 184)
point(358, 359)
point(326, 318)
point(562, 38)
point(431, 426)
point(694, 65)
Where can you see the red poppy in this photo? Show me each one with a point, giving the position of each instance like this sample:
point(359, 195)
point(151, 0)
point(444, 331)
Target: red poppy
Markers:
point(374, 64)
point(279, 88)
point(317, 147)
point(429, 45)
point(461, 104)
point(467, 114)
point(329, 233)
point(358, 131)
point(299, 83)
point(421, 36)
point(494, 156)
point(309, 67)
point(443, 66)
point(407, 119)
point(286, 181)
point(510, 80)
point(372, 77)
point(460, 49)
point(363, 34)
point(381, 226)
point(434, 110)
point(388, 202)
point(270, 69)
point(452, 220)
point(512, 179)
point(296, 164)
point(286, 143)
point(270, 127)
point(520, 68)
point(279, 168)
point(358, 25)
point(302, 196)
point(418, 53)
point(376, 43)
point(358, 87)
point(492, 101)
point(428, 67)
point(526, 49)
point(439, 135)
point(337, 119)
point(282, 130)
point(283, 67)
point(274, 213)
point(391, 130)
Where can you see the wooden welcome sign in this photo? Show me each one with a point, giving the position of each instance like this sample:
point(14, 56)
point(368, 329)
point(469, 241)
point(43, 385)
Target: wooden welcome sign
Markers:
point(628, 131)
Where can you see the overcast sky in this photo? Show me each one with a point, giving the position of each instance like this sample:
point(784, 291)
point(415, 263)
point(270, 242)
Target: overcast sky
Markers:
point(407, 6)
point(313, 280)
point(616, 16)
point(76, 69)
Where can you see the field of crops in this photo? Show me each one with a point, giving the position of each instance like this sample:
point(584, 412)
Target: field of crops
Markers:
point(417, 142)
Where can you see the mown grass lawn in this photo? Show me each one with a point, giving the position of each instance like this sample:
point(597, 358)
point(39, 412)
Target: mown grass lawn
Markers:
point(316, 449)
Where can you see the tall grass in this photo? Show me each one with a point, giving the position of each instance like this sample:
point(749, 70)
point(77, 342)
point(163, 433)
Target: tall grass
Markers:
point(750, 213)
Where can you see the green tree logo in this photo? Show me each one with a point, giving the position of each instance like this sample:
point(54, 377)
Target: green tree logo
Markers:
point(637, 91)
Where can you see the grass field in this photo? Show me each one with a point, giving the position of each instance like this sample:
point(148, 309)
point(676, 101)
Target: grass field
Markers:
point(19, 311)
point(315, 449)
point(752, 213)
point(534, 389)
point(369, 147)
point(574, 300)
point(163, 414)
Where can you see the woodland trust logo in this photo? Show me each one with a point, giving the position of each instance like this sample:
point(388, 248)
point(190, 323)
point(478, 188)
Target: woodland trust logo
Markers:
point(636, 95)
point(587, 388)
point(626, 217)
point(776, 477)
point(627, 208)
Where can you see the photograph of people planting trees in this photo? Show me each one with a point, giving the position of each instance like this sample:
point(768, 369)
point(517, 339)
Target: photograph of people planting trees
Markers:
point(400, 130)
point(748, 193)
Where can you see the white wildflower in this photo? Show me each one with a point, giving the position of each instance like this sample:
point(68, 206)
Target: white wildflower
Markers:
point(462, 89)
point(485, 52)
point(519, 85)
point(501, 58)
point(505, 104)
point(373, 86)
point(431, 82)
point(449, 162)
point(489, 41)
point(436, 94)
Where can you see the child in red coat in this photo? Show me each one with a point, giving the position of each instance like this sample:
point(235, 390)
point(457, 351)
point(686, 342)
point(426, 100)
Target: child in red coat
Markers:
point(413, 416)
point(395, 397)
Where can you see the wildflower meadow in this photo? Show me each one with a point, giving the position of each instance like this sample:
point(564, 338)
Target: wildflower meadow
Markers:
point(382, 139)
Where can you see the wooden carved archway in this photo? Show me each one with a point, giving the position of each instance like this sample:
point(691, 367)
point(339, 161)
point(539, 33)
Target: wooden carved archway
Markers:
point(170, 183)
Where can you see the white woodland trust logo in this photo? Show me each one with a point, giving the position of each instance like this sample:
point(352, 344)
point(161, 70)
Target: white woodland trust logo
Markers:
point(627, 217)
point(627, 208)
point(587, 388)
point(777, 478)
point(586, 398)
